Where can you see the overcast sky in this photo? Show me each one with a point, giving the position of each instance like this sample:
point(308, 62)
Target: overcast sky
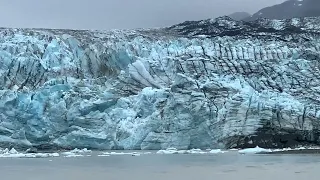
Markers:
point(117, 14)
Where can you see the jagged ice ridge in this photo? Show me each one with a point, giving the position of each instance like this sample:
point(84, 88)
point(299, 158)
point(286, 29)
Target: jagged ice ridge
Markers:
point(204, 84)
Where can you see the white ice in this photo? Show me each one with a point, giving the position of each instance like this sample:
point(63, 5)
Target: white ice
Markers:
point(103, 155)
point(120, 153)
point(192, 151)
point(76, 152)
point(6, 153)
point(296, 149)
point(216, 151)
point(254, 150)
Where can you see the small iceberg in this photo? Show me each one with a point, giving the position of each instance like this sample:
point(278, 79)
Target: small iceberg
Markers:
point(296, 149)
point(120, 153)
point(216, 151)
point(195, 151)
point(170, 151)
point(176, 151)
point(103, 155)
point(255, 150)
point(76, 152)
point(6, 153)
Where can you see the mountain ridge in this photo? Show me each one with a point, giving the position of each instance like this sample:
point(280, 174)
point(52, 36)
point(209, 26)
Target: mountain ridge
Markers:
point(289, 9)
point(225, 25)
point(238, 16)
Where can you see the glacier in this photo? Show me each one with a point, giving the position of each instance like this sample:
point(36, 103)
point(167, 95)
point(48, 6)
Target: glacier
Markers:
point(214, 83)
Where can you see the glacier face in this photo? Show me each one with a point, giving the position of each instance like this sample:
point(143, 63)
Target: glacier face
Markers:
point(207, 84)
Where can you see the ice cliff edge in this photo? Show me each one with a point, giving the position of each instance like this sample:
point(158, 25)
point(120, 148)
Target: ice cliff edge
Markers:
point(216, 83)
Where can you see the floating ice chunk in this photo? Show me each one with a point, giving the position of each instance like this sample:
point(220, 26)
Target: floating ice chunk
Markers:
point(254, 150)
point(182, 152)
point(55, 154)
point(103, 155)
point(15, 154)
point(282, 150)
point(122, 153)
point(295, 149)
point(47, 155)
point(175, 151)
point(314, 148)
point(277, 150)
point(67, 153)
point(195, 151)
point(76, 152)
point(168, 151)
point(135, 154)
point(216, 151)
point(12, 155)
point(116, 153)
point(74, 155)
point(80, 151)
point(233, 149)
point(41, 155)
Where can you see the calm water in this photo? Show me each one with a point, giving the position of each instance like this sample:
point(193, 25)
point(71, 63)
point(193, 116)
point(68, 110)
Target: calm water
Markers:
point(229, 166)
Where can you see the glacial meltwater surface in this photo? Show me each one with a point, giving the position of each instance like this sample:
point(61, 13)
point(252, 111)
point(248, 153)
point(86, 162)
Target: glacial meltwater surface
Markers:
point(228, 166)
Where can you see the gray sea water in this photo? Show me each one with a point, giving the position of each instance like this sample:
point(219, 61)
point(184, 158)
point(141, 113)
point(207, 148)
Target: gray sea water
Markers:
point(228, 166)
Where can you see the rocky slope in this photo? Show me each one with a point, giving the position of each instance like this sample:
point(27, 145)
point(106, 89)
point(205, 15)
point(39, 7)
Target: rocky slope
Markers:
point(238, 16)
point(289, 9)
point(206, 84)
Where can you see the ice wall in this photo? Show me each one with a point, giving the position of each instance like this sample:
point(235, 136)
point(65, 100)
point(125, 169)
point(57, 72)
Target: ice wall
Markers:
point(193, 85)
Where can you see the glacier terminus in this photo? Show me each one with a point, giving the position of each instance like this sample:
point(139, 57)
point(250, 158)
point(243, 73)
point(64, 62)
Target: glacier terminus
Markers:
point(216, 83)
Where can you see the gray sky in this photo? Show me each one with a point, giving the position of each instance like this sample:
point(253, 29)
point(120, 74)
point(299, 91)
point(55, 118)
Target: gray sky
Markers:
point(117, 14)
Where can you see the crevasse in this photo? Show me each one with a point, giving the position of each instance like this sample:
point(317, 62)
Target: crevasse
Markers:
point(207, 84)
